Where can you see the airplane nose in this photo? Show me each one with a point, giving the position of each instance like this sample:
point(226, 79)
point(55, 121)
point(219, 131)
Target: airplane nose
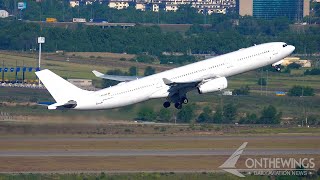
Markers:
point(291, 48)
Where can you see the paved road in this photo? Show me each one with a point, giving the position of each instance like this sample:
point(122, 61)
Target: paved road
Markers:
point(158, 138)
point(153, 152)
point(183, 152)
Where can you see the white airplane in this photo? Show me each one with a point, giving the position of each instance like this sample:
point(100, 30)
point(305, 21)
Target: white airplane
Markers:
point(205, 76)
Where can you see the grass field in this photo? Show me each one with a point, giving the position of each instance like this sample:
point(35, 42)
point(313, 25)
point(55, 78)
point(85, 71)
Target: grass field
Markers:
point(291, 107)
point(21, 119)
point(131, 176)
point(81, 64)
point(73, 64)
point(161, 144)
point(126, 164)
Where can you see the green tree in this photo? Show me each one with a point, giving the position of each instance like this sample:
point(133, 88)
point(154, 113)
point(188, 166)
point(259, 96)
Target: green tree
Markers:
point(205, 116)
point(243, 90)
point(195, 29)
point(218, 116)
point(145, 59)
point(186, 114)
point(165, 115)
point(229, 113)
point(294, 66)
point(249, 119)
point(314, 71)
point(133, 71)
point(301, 91)
point(313, 120)
point(269, 115)
point(146, 114)
point(149, 71)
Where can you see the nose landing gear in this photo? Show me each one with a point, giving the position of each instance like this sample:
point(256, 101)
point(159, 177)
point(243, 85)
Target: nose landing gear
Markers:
point(277, 67)
point(178, 105)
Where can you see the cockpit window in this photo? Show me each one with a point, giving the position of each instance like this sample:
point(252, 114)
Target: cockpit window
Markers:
point(285, 45)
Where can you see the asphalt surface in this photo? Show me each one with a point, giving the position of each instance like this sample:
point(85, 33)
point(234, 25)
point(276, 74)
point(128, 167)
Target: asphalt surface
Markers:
point(183, 152)
point(158, 138)
point(154, 152)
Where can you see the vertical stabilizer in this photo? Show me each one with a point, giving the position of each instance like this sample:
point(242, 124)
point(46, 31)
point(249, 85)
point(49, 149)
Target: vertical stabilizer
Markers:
point(60, 89)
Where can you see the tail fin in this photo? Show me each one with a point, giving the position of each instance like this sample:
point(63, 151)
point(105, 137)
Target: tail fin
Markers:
point(61, 90)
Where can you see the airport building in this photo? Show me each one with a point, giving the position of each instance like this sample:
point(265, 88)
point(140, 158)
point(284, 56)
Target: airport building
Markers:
point(270, 9)
point(202, 6)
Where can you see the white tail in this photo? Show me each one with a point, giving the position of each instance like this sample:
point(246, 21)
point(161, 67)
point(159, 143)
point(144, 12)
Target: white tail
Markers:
point(61, 90)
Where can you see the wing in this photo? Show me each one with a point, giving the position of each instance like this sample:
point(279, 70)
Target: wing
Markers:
point(186, 86)
point(172, 83)
point(115, 77)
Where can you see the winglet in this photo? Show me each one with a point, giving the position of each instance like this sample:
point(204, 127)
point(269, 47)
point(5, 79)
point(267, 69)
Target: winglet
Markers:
point(167, 81)
point(97, 73)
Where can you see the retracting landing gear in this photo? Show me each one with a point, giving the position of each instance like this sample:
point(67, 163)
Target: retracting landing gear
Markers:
point(184, 100)
point(178, 105)
point(277, 67)
point(178, 101)
point(166, 104)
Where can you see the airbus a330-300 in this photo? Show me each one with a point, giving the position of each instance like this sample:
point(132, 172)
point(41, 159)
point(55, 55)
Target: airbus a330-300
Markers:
point(204, 76)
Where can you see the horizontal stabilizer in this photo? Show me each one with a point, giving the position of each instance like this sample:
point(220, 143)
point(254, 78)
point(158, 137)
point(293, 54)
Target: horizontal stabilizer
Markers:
point(115, 77)
point(69, 105)
point(45, 103)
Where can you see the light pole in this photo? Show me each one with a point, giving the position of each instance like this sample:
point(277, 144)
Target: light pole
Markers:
point(41, 40)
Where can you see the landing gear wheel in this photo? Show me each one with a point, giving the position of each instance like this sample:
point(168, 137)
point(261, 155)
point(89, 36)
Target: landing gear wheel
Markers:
point(277, 67)
point(166, 104)
point(178, 105)
point(184, 100)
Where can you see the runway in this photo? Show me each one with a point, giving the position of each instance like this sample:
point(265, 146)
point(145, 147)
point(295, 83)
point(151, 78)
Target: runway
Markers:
point(161, 138)
point(183, 152)
point(120, 154)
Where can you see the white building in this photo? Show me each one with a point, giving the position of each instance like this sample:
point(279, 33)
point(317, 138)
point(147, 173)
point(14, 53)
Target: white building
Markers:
point(203, 6)
point(119, 4)
point(4, 14)
point(74, 3)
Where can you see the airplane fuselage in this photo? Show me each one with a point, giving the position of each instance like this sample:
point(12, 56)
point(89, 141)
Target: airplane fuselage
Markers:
point(153, 86)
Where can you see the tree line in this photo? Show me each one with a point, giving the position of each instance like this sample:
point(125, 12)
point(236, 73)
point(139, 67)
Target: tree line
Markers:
point(222, 115)
point(220, 38)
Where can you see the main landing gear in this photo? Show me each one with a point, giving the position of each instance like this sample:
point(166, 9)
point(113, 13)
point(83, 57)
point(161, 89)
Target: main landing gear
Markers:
point(166, 104)
point(178, 104)
point(277, 67)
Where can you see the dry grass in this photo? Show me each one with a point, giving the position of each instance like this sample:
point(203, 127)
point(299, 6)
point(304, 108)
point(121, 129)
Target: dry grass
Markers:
point(161, 144)
point(101, 54)
point(79, 64)
point(140, 163)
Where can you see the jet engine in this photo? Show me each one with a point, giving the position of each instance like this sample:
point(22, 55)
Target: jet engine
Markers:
point(213, 85)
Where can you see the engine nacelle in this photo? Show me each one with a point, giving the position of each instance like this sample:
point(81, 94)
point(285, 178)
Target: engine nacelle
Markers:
point(213, 85)
point(277, 63)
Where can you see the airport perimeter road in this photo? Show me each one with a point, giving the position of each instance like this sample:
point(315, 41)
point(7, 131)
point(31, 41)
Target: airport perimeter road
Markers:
point(139, 154)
